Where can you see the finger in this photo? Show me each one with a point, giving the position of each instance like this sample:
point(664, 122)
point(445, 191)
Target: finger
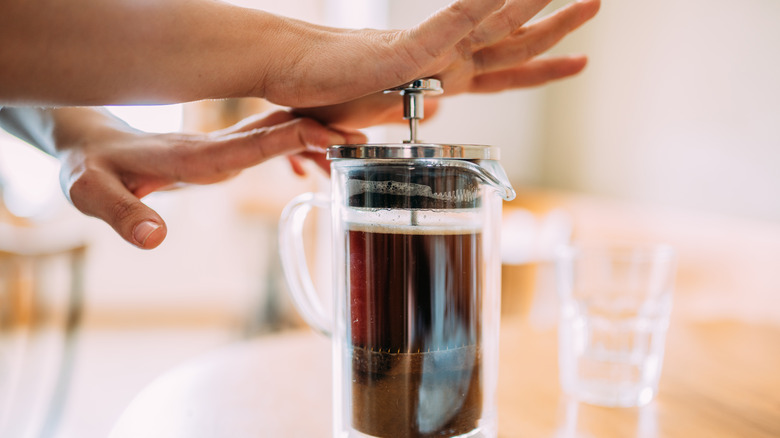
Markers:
point(532, 73)
point(217, 158)
point(505, 21)
point(374, 109)
point(353, 136)
point(297, 166)
point(257, 121)
point(101, 194)
point(536, 38)
point(319, 159)
point(437, 35)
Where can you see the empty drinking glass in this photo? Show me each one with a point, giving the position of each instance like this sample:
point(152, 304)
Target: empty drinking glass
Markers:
point(616, 302)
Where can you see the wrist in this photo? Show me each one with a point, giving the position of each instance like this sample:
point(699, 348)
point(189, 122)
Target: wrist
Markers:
point(80, 127)
point(282, 50)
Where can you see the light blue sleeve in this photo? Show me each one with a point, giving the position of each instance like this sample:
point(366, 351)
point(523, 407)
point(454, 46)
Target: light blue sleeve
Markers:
point(33, 125)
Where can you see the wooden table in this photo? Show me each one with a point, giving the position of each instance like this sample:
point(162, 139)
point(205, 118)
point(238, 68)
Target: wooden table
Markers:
point(720, 379)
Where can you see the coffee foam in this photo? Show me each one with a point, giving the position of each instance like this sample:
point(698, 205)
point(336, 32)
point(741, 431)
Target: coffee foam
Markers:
point(407, 228)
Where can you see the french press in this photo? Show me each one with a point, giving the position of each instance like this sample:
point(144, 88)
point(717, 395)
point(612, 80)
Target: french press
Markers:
point(416, 282)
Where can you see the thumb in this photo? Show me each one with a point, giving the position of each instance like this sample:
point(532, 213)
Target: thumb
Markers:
point(99, 193)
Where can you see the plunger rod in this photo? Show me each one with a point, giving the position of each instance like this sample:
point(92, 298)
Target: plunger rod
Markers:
point(413, 130)
point(414, 110)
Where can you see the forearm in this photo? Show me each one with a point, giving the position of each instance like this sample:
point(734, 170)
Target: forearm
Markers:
point(95, 52)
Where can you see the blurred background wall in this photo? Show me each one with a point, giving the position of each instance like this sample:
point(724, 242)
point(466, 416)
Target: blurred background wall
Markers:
point(679, 105)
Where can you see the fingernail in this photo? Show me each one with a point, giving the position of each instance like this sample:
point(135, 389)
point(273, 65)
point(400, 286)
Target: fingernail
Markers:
point(143, 230)
point(317, 149)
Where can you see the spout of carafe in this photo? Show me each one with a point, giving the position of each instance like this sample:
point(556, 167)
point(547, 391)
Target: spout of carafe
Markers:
point(491, 173)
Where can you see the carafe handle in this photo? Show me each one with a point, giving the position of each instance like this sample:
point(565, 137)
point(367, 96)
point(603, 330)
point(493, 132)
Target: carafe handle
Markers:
point(293, 256)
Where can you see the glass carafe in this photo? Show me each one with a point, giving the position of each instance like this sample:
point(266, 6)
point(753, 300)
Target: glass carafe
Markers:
point(416, 287)
point(416, 283)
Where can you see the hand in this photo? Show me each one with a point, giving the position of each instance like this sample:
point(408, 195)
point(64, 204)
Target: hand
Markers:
point(497, 55)
point(106, 173)
point(466, 46)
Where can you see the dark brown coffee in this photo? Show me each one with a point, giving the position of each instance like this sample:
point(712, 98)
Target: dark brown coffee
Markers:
point(415, 307)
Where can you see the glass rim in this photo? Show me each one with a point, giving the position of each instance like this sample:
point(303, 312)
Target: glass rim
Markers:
point(412, 151)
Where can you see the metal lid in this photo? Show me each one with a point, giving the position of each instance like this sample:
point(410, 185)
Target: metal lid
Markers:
point(410, 151)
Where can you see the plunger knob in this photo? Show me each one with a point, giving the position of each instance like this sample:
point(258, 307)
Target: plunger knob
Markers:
point(413, 94)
